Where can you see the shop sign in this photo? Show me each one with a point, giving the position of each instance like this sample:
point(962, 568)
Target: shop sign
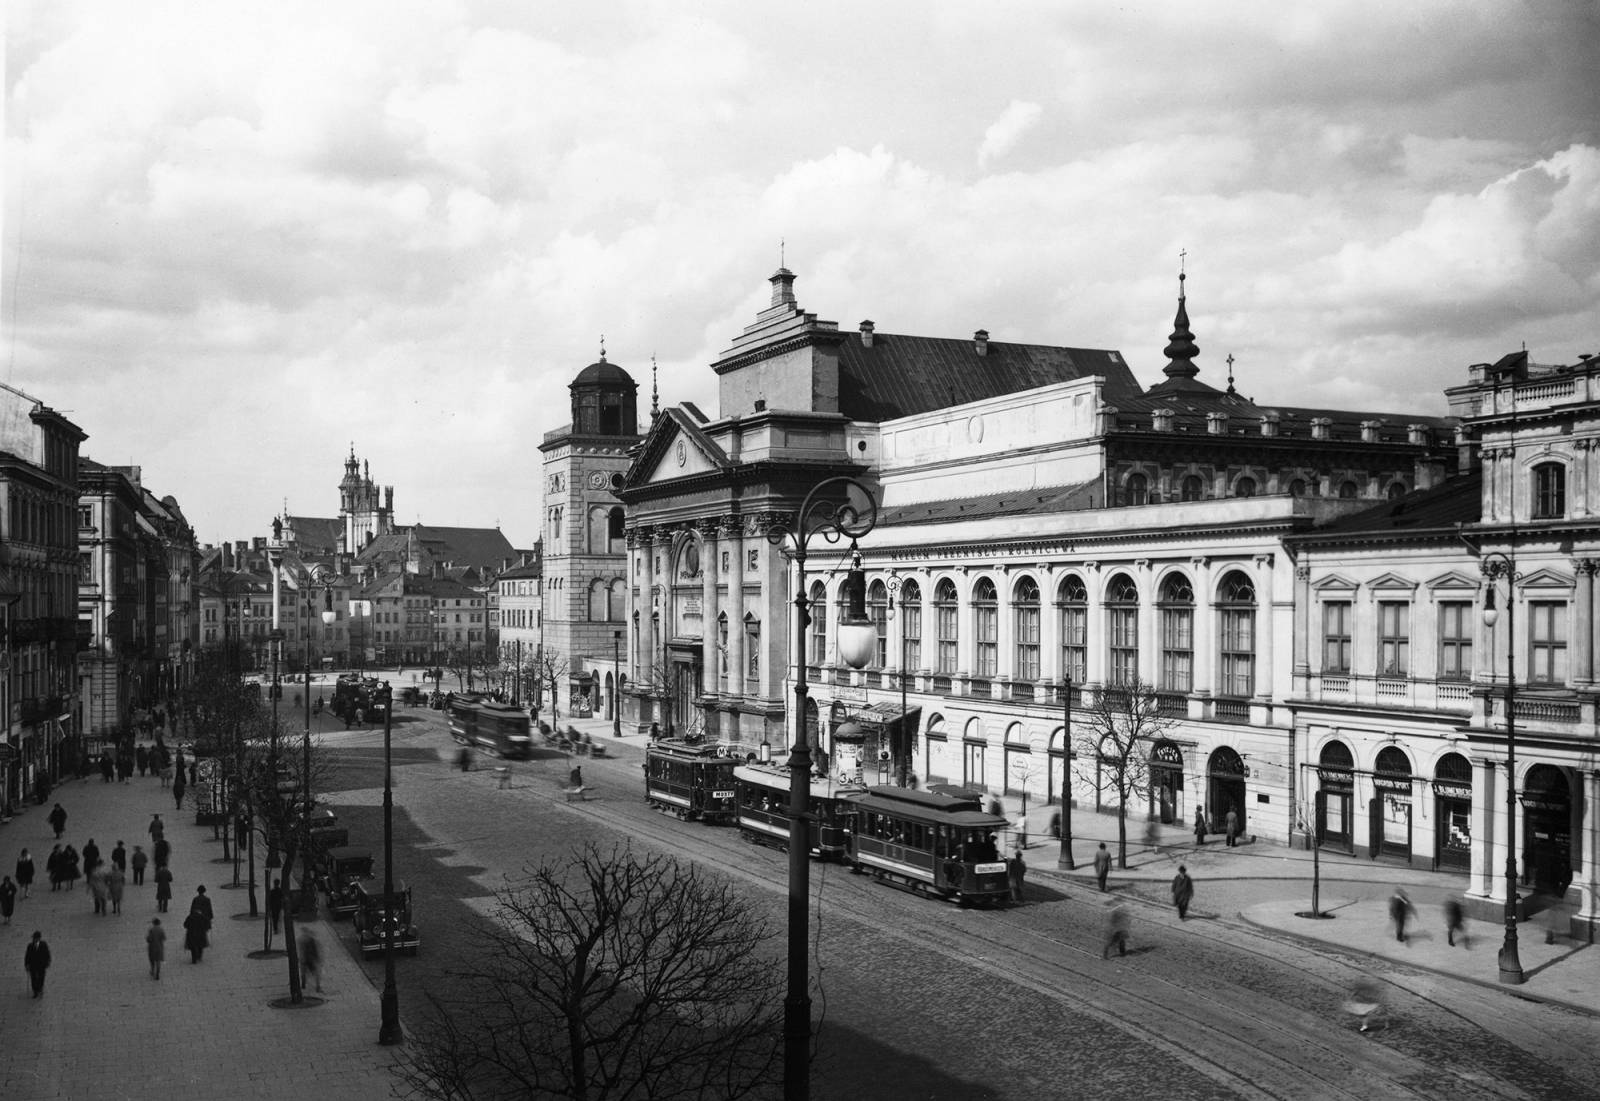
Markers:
point(1166, 753)
point(1451, 791)
point(1391, 783)
point(1336, 778)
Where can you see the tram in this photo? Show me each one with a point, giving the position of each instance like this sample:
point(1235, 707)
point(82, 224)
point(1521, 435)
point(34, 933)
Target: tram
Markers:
point(691, 781)
point(762, 792)
point(943, 845)
point(497, 727)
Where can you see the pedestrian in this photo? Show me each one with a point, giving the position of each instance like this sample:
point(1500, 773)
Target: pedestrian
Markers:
point(116, 881)
point(163, 852)
point(119, 857)
point(69, 867)
point(1233, 826)
point(505, 774)
point(36, 961)
point(1116, 932)
point(124, 766)
point(1400, 910)
point(166, 774)
point(100, 888)
point(91, 857)
point(1016, 868)
point(194, 935)
point(58, 820)
point(107, 768)
point(194, 771)
point(200, 904)
point(25, 873)
point(1182, 892)
point(178, 787)
point(310, 959)
point(139, 862)
point(1102, 865)
point(275, 904)
point(576, 777)
point(156, 947)
point(1199, 827)
point(1455, 923)
point(156, 828)
point(163, 887)
point(8, 898)
point(52, 867)
point(141, 757)
point(464, 759)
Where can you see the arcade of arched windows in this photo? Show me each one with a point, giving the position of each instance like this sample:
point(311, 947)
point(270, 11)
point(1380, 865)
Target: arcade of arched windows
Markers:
point(1150, 483)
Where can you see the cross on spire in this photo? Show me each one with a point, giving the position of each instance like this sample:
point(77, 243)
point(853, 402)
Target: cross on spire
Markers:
point(602, 347)
point(1230, 372)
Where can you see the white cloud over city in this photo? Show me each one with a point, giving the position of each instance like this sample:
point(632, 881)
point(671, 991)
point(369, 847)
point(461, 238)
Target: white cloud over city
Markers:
point(238, 237)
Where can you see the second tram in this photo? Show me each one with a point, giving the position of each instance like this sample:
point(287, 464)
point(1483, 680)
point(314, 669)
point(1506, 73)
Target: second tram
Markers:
point(691, 781)
point(762, 791)
point(943, 845)
point(497, 727)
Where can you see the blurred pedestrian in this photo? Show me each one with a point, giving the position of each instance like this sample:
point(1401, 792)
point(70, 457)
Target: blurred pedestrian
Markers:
point(1199, 827)
point(1102, 865)
point(119, 857)
point(141, 758)
point(69, 867)
point(52, 867)
point(1233, 826)
point(25, 873)
point(8, 898)
point(310, 959)
point(178, 787)
point(58, 820)
point(91, 857)
point(1116, 932)
point(1400, 911)
point(163, 852)
point(156, 947)
point(163, 887)
point(1455, 923)
point(139, 862)
point(464, 759)
point(1016, 868)
point(107, 768)
point(156, 829)
point(100, 888)
point(1182, 892)
point(194, 771)
point(194, 936)
point(36, 961)
point(116, 881)
point(274, 904)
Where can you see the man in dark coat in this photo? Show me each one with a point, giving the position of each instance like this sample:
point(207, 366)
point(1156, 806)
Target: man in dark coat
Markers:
point(36, 960)
point(119, 857)
point(91, 857)
point(178, 786)
point(141, 759)
point(1102, 865)
point(58, 820)
point(1016, 867)
point(200, 904)
point(1182, 892)
point(107, 768)
point(1233, 826)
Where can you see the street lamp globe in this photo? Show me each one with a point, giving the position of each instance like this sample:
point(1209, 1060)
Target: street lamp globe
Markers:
point(858, 635)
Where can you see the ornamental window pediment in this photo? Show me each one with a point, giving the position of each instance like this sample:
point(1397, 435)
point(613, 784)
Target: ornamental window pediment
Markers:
point(1392, 583)
point(1334, 585)
point(1545, 579)
point(1454, 579)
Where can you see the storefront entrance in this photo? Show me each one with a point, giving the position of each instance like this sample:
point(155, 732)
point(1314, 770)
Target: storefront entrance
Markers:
point(1547, 825)
point(1166, 782)
point(1335, 795)
point(1225, 790)
point(1452, 811)
point(1391, 805)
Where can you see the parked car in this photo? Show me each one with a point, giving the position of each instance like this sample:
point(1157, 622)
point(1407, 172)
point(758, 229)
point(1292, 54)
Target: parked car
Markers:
point(372, 929)
point(343, 869)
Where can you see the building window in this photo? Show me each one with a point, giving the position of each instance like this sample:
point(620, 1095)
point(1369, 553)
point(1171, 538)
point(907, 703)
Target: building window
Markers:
point(1074, 606)
point(1237, 612)
point(878, 609)
point(1026, 612)
point(1336, 636)
point(1194, 489)
point(1455, 640)
point(1549, 491)
point(752, 648)
point(944, 622)
point(1138, 490)
point(1547, 640)
point(911, 625)
point(819, 624)
point(1394, 638)
point(722, 642)
point(1297, 488)
point(1122, 607)
point(1244, 487)
point(986, 626)
point(1347, 491)
point(1177, 634)
point(1396, 490)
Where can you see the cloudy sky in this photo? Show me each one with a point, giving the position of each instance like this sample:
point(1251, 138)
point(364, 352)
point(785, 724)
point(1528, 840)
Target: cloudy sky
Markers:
point(239, 237)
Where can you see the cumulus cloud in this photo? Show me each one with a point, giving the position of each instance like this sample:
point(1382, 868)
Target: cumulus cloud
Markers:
point(1004, 133)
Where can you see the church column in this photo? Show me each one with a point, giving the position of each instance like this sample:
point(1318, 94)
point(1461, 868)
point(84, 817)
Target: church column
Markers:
point(732, 548)
point(643, 661)
point(1266, 614)
point(1583, 629)
point(711, 640)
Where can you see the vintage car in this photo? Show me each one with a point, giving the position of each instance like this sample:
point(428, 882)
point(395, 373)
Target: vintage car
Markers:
point(372, 930)
point(343, 869)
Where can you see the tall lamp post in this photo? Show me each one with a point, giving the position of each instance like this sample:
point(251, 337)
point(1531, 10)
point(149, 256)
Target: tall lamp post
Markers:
point(616, 684)
point(1495, 566)
point(317, 576)
point(275, 641)
point(1064, 857)
point(389, 1003)
point(822, 513)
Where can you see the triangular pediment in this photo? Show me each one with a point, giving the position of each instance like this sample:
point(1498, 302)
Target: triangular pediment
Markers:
point(1454, 579)
point(1334, 583)
point(1392, 581)
point(675, 447)
point(1545, 579)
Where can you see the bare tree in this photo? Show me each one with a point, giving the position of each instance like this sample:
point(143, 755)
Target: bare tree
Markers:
point(612, 975)
point(550, 671)
point(1118, 731)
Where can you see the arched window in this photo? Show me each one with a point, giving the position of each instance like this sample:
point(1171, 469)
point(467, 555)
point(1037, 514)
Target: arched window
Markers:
point(1397, 490)
point(1177, 634)
point(1348, 490)
point(1138, 491)
point(1073, 604)
point(878, 610)
point(616, 537)
point(1025, 610)
point(911, 625)
point(752, 647)
point(944, 616)
point(1297, 488)
point(1236, 609)
point(1549, 491)
point(1194, 488)
point(1244, 487)
point(1122, 608)
point(618, 602)
point(722, 642)
point(819, 623)
point(986, 626)
point(598, 593)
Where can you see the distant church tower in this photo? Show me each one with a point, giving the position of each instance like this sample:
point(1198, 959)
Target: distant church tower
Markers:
point(585, 551)
point(362, 515)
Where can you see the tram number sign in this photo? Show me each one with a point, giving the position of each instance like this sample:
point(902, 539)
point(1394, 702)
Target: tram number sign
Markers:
point(985, 869)
point(722, 794)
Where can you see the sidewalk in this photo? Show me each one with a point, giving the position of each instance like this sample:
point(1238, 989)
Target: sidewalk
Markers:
point(104, 1028)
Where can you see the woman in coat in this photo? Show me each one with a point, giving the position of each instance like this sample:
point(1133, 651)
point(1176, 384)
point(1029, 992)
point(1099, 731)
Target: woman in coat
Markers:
point(8, 898)
point(163, 887)
point(156, 946)
point(69, 866)
point(194, 935)
point(52, 867)
point(25, 873)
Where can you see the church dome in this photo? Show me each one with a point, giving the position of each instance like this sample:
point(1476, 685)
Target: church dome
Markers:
point(602, 373)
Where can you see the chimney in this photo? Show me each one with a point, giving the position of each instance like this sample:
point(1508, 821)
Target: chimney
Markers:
point(980, 341)
point(1161, 419)
point(1320, 427)
point(782, 282)
point(1217, 424)
point(1369, 431)
point(866, 334)
point(1417, 434)
point(1269, 423)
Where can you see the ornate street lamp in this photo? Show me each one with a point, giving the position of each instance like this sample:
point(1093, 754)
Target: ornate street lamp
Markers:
point(616, 684)
point(1495, 566)
point(820, 514)
point(389, 1003)
point(1064, 857)
point(316, 576)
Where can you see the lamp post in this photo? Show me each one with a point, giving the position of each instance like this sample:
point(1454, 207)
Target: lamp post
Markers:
point(1495, 566)
point(317, 576)
point(616, 684)
point(1064, 857)
point(275, 641)
point(389, 1004)
point(820, 514)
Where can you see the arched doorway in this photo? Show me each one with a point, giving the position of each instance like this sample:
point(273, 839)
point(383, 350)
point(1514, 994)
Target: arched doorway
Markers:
point(937, 765)
point(1225, 789)
point(1547, 829)
point(1056, 767)
point(1390, 809)
point(1166, 782)
point(1336, 787)
point(1452, 808)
